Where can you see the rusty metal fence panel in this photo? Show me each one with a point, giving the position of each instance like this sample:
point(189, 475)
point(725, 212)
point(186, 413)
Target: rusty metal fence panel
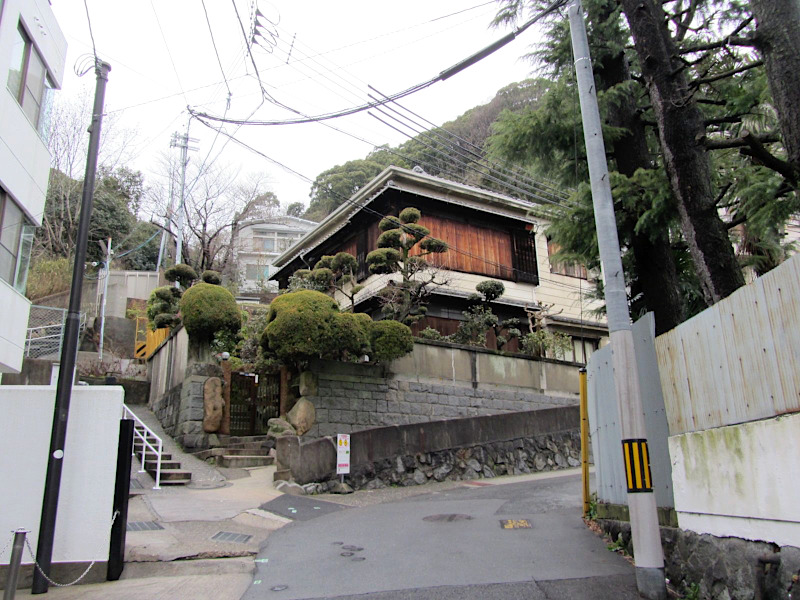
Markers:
point(737, 361)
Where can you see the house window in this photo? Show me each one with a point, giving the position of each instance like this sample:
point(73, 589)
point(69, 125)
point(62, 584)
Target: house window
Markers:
point(16, 241)
point(582, 349)
point(570, 269)
point(270, 241)
point(28, 81)
point(524, 257)
point(255, 272)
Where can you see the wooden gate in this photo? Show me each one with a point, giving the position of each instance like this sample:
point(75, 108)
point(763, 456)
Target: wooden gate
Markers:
point(255, 399)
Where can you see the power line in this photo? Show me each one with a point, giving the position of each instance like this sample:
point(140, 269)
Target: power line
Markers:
point(442, 76)
point(214, 43)
point(172, 62)
point(91, 33)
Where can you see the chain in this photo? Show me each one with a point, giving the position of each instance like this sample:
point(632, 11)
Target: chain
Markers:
point(11, 541)
point(84, 574)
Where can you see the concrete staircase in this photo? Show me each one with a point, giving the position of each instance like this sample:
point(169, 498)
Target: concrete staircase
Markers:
point(239, 452)
point(171, 472)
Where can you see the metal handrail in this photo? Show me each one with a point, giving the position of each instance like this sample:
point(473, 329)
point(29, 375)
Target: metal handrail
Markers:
point(127, 413)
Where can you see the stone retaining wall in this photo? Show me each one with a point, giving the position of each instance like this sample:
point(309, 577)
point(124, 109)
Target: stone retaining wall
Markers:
point(180, 410)
point(721, 568)
point(418, 388)
point(465, 448)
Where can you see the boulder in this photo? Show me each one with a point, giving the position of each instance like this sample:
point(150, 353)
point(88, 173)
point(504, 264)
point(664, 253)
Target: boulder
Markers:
point(302, 416)
point(213, 404)
point(339, 487)
point(278, 427)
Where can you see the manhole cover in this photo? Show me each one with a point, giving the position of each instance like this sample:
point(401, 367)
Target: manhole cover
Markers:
point(347, 553)
point(235, 538)
point(448, 518)
point(144, 526)
point(279, 588)
point(352, 548)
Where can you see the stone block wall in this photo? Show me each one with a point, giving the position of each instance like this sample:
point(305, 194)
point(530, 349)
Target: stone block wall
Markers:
point(721, 568)
point(180, 410)
point(462, 448)
point(350, 397)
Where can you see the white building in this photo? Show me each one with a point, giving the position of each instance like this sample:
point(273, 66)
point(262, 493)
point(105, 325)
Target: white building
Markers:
point(258, 243)
point(32, 56)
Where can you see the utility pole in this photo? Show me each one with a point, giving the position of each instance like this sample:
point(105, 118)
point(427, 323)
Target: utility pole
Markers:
point(182, 142)
point(107, 269)
point(641, 500)
point(69, 350)
point(167, 216)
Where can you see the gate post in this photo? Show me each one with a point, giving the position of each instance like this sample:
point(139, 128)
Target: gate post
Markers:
point(225, 425)
point(284, 393)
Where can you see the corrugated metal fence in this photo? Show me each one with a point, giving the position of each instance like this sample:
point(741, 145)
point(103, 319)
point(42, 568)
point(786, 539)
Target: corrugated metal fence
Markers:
point(738, 360)
point(604, 420)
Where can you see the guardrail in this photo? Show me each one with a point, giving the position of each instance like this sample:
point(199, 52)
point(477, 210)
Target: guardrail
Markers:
point(148, 437)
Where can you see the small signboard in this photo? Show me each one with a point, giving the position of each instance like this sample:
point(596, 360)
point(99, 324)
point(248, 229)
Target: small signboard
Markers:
point(343, 454)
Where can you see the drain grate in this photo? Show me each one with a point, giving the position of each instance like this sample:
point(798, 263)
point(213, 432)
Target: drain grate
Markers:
point(235, 538)
point(447, 518)
point(135, 485)
point(144, 526)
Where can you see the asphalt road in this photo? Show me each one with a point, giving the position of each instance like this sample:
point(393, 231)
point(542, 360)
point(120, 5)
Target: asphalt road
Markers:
point(520, 540)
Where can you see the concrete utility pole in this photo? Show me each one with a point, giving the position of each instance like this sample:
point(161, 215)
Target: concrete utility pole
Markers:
point(107, 270)
point(641, 500)
point(69, 350)
point(182, 142)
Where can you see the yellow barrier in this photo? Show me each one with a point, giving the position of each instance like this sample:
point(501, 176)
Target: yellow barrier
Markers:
point(148, 340)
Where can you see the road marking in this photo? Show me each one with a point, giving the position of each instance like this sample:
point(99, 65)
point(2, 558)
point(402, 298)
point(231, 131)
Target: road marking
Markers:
point(515, 524)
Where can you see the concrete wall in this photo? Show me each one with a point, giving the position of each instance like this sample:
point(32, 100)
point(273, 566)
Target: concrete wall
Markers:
point(128, 284)
point(406, 449)
point(13, 328)
point(167, 366)
point(436, 381)
point(741, 480)
point(90, 457)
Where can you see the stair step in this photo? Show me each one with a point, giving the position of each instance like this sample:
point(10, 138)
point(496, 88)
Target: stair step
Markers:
point(245, 451)
point(148, 456)
point(246, 445)
point(282, 475)
point(165, 464)
point(237, 439)
point(243, 461)
point(173, 476)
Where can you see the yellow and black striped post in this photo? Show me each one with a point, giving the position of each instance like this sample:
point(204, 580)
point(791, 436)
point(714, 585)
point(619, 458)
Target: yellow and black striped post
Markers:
point(637, 466)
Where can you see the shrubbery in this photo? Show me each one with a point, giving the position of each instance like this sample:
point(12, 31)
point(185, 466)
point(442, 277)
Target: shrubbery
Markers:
point(390, 340)
point(183, 274)
point(162, 307)
point(208, 309)
point(307, 324)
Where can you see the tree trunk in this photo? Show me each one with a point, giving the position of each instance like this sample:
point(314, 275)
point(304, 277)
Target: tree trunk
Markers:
point(778, 42)
point(655, 263)
point(680, 125)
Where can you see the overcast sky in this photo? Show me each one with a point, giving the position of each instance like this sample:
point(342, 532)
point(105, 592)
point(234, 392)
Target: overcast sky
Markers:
point(163, 59)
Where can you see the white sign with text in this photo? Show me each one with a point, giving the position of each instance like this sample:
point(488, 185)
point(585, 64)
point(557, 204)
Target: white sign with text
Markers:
point(343, 454)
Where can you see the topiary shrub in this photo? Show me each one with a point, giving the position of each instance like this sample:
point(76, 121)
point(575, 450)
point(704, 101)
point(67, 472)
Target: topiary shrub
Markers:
point(390, 340)
point(183, 274)
point(207, 309)
point(300, 326)
point(211, 277)
point(162, 307)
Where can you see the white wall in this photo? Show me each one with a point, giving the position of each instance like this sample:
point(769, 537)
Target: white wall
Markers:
point(24, 158)
point(741, 480)
point(90, 462)
point(13, 327)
